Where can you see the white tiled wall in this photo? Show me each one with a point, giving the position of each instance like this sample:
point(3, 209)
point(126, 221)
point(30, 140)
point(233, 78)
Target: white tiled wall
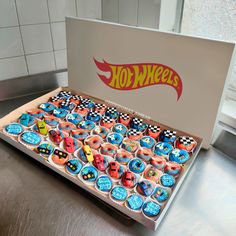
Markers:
point(32, 34)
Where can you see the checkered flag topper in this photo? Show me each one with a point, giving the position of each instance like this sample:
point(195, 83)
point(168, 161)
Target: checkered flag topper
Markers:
point(134, 132)
point(100, 106)
point(85, 101)
point(55, 98)
point(169, 133)
point(186, 140)
point(124, 116)
point(94, 114)
point(64, 94)
point(154, 128)
point(76, 97)
point(81, 107)
point(137, 121)
point(107, 119)
point(111, 110)
point(66, 103)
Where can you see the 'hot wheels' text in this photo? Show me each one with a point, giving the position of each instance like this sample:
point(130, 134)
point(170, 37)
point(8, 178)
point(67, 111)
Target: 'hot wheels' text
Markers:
point(135, 76)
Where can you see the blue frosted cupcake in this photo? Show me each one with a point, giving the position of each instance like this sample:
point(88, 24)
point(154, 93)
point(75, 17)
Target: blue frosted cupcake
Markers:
point(89, 174)
point(136, 165)
point(112, 112)
point(134, 202)
point(115, 138)
point(94, 116)
point(45, 149)
point(162, 148)
point(104, 184)
point(160, 194)
point(167, 180)
point(87, 124)
point(60, 113)
point(118, 194)
point(179, 155)
point(120, 128)
point(147, 142)
point(47, 107)
point(151, 209)
point(26, 120)
point(30, 138)
point(168, 136)
point(13, 129)
point(73, 166)
point(74, 118)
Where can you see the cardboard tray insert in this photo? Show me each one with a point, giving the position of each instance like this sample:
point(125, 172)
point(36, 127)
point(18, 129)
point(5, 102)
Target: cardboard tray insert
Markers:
point(148, 222)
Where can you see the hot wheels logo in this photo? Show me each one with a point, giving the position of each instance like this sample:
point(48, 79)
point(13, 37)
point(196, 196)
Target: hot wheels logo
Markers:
point(135, 76)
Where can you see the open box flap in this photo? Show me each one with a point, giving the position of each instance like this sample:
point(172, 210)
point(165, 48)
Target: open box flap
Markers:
point(176, 80)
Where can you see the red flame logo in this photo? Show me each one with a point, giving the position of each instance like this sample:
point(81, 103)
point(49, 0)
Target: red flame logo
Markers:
point(136, 76)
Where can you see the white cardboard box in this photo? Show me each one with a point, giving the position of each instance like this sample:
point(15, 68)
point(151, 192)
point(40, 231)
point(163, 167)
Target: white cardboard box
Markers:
point(161, 77)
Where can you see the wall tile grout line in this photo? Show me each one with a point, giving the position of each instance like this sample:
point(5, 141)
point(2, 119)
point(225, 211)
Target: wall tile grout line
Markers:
point(4, 27)
point(76, 8)
point(118, 11)
point(30, 54)
point(137, 14)
point(17, 14)
point(50, 27)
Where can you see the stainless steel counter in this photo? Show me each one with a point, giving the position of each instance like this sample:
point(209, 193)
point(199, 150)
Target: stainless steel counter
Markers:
point(36, 201)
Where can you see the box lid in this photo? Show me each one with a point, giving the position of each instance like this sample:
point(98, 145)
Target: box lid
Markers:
point(174, 79)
